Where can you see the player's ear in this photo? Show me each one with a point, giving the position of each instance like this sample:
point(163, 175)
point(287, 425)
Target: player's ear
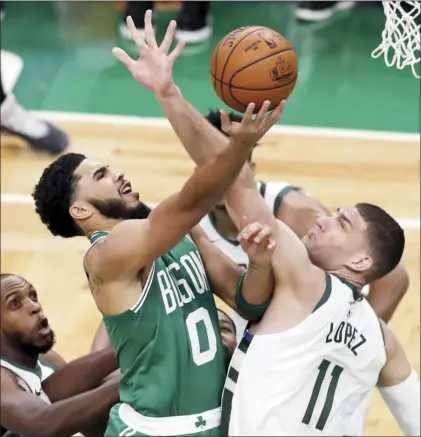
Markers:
point(360, 263)
point(80, 210)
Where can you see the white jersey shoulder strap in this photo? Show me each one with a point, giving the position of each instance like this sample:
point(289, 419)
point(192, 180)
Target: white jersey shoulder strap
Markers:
point(274, 193)
point(208, 227)
point(29, 380)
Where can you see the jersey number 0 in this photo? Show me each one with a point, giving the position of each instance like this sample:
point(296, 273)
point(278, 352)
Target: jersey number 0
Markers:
point(200, 317)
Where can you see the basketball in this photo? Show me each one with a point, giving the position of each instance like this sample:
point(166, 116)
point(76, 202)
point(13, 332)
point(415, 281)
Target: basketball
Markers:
point(253, 64)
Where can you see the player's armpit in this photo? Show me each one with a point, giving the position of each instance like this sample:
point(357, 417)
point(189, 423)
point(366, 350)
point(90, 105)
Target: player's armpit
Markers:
point(27, 415)
point(223, 273)
point(399, 385)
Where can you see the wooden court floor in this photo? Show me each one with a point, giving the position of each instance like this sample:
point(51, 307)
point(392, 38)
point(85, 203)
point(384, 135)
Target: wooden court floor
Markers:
point(338, 171)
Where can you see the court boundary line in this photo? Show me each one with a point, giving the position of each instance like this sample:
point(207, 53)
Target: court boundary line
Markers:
point(129, 120)
point(26, 199)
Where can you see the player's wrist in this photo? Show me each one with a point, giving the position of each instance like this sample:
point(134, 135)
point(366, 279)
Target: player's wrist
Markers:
point(242, 143)
point(168, 93)
point(259, 264)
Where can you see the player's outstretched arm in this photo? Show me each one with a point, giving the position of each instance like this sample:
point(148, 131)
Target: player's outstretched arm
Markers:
point(80, 375)
point(27, 415)
point(225, 276)
point(133, 244)
point(399, 385)
point(243, 199)
point(154, 72)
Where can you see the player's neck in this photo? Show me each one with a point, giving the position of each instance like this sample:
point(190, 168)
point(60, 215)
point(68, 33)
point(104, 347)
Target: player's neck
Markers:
point(223, 224)
point(349, 277)
point(17, 355)
point(101, 226)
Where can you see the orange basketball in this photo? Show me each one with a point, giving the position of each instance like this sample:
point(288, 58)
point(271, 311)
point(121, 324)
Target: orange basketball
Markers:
point(253, 64)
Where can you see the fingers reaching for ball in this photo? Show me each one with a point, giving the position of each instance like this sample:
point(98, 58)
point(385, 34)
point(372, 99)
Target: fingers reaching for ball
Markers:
point(275, 115)
point(252, 128)
point(255, 239)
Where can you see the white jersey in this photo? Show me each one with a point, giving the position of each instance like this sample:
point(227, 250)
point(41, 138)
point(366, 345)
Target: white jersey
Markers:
point(273, 193)
point(310, 379)
point(29, 380)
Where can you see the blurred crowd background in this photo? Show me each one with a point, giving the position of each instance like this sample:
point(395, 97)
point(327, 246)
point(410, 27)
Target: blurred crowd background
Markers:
point(64, 50)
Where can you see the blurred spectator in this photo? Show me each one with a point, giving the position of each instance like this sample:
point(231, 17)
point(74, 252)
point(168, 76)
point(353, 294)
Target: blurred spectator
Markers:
point(194, 23)
point(39, 134)
point(320, 10)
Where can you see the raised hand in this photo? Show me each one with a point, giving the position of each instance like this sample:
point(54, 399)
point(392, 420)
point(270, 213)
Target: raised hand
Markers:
point(256, 242)
point(153, 69)
point(252, 130)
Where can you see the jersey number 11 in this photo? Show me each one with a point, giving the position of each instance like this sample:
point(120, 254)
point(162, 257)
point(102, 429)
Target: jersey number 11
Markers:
point(327, 407)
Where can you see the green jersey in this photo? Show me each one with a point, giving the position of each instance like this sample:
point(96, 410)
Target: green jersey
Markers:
point(168, 344)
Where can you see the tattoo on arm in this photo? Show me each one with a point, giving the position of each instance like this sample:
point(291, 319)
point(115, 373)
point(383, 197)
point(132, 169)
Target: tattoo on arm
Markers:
point(96, 284)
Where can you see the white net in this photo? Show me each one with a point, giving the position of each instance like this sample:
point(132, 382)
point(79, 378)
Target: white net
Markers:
point(401, 43)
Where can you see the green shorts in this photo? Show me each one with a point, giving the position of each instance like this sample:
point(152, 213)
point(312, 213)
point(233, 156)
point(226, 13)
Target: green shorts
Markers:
point(121, 423)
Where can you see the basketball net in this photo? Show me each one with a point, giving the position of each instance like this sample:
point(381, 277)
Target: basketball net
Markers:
point(401, 43)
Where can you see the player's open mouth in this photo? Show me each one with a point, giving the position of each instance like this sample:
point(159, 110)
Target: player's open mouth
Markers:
point(43, 327)
point(126, 189)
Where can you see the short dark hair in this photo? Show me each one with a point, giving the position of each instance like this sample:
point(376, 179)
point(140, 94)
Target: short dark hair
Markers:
point(54, 193)
point(386, 240)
